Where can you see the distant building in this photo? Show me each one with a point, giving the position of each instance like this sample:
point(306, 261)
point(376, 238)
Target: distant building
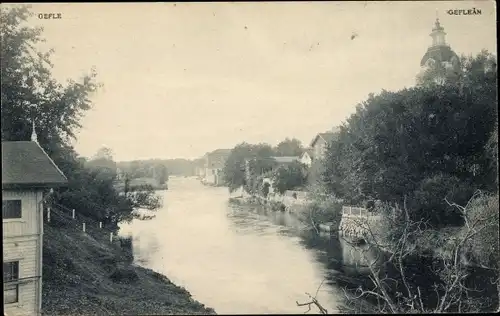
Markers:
point(27, 175)
point(319, 144)
point(307, 157)
point(199, 172)
point(214, 166)
point(440, 52)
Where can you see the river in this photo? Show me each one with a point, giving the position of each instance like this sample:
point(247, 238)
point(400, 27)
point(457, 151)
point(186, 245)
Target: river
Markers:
point(239, 259)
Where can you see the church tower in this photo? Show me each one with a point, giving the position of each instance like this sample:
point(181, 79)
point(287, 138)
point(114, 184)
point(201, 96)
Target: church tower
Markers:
point(440, 51)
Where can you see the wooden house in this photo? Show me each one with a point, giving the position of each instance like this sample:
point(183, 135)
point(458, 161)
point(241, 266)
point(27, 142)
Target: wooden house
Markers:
point(307, 157)
point(28, 174)
point(320, 143)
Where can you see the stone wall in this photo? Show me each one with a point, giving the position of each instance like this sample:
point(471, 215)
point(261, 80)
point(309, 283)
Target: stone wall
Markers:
point(360, 223)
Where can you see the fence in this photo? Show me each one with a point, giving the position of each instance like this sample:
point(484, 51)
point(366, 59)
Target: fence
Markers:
point(355, 211)
point(59, 215)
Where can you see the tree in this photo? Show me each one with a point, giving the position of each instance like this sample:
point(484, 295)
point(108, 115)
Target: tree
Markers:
point(265, 189)
point(289, 177)
point(103, 163)
point(289, 147)
point(29, 92)
point(104, 153)
point(455, 287)
point(161, 173)
point(256, 158)
point(397, 141)
point(438, 73)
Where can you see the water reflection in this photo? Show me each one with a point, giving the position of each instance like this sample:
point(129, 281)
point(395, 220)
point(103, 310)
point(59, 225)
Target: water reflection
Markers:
point(238, 259)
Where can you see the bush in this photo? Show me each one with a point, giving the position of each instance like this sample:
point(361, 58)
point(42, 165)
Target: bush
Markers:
point(484, 246)
point(428, 201)
point(322, 209)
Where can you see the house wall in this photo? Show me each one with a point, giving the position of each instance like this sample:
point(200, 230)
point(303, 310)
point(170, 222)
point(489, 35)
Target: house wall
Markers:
point(320, 148)
point(23, 242)
point(213, 176)
point(306, 159)
point(200, 172)
point(210, 175)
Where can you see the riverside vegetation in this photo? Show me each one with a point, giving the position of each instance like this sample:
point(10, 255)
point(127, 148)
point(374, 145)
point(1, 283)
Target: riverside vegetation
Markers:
point(83, 274)
point(426, 159)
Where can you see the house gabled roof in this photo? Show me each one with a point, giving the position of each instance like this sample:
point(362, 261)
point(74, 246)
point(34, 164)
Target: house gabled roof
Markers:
point(25, 165)
point(308, 151)
point(327, 137)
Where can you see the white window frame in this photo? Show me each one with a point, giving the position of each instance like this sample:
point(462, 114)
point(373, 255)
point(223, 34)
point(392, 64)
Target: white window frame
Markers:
point(13, 219)
point(14, 283)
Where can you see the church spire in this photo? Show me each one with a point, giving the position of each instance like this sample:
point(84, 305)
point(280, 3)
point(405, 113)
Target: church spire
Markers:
point(34, 138)
point(438, 34)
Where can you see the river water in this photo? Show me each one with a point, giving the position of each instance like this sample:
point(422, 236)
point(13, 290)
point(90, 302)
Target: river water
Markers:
point(239, 259)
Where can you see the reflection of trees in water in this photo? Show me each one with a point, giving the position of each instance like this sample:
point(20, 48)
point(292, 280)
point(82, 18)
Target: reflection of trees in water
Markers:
point(251, 219)
point(145, 247)
point(345, 266)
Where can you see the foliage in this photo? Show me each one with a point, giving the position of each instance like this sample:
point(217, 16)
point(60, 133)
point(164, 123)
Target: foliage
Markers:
point(154, 168)
point(484, 246)
point(176, 167)
point(322, 209)
point(397, 141)
point(454, 286)
point(256, 159)
point(438, 73)
point(428, 200)
point(289, 147)
point(143, 197)
point(103, 163)
point(161, 173)
point(265, 189)
point(29, 92)
point(289, 177)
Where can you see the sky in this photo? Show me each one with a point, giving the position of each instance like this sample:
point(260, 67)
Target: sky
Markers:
point(180, 80)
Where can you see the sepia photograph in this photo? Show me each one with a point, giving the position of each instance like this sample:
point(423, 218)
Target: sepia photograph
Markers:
point(275, 157)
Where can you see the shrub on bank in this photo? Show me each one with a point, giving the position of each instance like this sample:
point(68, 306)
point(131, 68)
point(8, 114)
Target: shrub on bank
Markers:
point(321, 209)
point(428, 200)
point(484, 247)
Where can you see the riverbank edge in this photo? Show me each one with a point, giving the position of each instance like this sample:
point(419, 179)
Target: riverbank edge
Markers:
point(276, 206)
point(425, 245)
point(88, 275)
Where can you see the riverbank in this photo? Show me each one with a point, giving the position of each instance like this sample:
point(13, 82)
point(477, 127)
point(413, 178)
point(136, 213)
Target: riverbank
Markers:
point(87, 275)
point(309, 213)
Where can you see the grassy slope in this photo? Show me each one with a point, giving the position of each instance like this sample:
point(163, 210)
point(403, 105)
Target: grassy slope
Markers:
point(83, 275)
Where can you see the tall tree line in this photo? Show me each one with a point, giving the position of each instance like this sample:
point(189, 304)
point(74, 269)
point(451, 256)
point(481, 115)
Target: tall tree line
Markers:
point(30, 93)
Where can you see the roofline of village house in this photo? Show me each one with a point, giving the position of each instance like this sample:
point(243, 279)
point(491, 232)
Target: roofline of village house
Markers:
point(24, 186)
point(52, 162)
point(315, 138)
